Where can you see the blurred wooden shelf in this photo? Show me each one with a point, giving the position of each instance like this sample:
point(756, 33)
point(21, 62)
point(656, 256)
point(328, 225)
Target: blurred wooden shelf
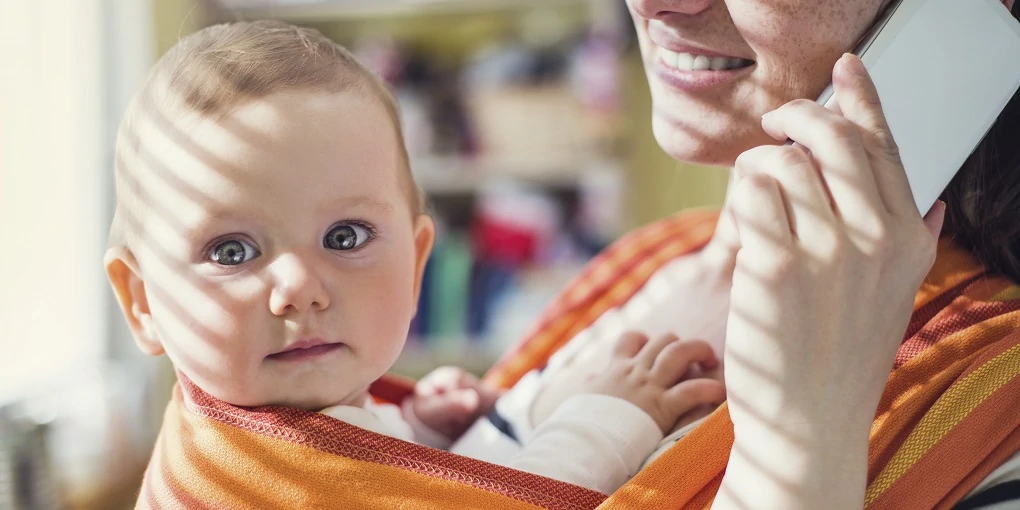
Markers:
point(419, 359)
point(446, 175)
point(318, 10)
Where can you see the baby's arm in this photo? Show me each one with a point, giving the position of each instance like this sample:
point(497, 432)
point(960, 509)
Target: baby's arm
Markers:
point(599, 438)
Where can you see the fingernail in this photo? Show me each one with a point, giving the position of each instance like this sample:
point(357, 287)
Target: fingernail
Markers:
point(854, 65)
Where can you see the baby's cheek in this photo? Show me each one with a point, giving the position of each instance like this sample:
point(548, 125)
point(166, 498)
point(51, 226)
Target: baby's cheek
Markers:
point(204, 329)
point(385, 308)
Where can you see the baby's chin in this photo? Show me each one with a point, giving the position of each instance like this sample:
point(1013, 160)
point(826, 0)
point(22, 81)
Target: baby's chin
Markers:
point(308, 397)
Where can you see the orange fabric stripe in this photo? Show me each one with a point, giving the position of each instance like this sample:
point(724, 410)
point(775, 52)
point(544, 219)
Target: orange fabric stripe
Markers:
point(299, 476)
point(918, 384)
point(952, 267)
point(956, 455)
point(1007, 449)
point(962, 400)
point(685, 476)
point(226, 449)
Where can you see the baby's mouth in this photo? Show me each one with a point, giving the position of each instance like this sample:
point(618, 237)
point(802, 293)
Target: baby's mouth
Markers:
point(306, 350)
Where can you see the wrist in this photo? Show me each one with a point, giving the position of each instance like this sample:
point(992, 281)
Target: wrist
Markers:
point(796, 465)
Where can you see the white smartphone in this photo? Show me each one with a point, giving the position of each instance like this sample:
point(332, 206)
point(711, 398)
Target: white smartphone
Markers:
point(944, 70)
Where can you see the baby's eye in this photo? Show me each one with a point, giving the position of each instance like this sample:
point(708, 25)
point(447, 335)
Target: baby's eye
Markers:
point(233, 252)
point(346, 237)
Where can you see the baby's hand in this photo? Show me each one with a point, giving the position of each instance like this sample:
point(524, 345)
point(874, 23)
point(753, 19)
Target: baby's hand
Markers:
point(651, 375)
point(448, 400)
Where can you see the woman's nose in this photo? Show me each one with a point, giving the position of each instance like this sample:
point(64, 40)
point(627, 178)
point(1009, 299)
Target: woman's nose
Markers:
point(660, 9)
point(296, 287)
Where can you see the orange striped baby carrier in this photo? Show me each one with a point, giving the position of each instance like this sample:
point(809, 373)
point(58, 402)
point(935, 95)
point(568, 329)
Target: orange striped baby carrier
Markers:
point(948, 417)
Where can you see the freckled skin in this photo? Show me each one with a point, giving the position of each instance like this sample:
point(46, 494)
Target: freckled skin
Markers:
point(794, 44)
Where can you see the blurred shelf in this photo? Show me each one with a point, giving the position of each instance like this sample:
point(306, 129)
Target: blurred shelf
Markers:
point(445, 175)
point(419, 359)
point(317, 10)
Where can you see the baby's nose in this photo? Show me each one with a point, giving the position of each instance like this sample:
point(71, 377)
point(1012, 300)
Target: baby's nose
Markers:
point(297, 287)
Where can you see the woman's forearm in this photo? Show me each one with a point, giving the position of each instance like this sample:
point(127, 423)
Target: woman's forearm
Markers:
point(781, 468)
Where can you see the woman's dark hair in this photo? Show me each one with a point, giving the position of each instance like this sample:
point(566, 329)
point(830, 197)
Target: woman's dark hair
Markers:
point(983, 200)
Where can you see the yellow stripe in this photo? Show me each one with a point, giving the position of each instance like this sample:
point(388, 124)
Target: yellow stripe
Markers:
point(955, 404)
point(1011, 293)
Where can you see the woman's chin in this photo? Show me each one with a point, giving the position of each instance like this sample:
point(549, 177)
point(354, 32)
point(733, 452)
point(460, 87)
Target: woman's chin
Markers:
point(716, 146)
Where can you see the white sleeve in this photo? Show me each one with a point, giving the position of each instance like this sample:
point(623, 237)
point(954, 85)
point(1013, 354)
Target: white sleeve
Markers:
point(593, 441)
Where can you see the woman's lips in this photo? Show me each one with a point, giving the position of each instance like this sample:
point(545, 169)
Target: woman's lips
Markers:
point(695, 77)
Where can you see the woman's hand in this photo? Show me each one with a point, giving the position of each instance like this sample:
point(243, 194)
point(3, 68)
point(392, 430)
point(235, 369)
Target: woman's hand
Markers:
point(831, 253)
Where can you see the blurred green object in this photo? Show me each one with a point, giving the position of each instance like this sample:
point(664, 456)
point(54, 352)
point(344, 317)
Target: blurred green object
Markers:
point(450, 287)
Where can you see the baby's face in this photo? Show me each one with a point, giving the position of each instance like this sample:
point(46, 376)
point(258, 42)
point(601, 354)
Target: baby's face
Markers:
point(279, 254)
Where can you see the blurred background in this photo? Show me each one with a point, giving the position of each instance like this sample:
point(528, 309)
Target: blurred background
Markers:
point(528, 126)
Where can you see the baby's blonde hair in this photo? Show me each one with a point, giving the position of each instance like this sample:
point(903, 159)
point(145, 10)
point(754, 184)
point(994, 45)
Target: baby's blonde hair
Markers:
point(224, 66)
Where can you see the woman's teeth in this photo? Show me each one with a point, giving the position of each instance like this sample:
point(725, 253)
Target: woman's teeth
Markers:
point(691, 62)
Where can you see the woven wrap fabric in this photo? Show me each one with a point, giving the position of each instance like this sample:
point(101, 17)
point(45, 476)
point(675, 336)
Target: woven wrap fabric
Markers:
point(948, 417)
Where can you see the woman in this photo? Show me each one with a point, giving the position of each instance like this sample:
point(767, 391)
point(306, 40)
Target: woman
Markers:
point(803, 258)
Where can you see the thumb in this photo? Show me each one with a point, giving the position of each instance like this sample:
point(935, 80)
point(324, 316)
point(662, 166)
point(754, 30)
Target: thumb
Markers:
point(857, 98)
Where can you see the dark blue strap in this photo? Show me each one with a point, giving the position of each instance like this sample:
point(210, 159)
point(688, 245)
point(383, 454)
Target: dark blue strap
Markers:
point(1006, 491)
point(502, 425)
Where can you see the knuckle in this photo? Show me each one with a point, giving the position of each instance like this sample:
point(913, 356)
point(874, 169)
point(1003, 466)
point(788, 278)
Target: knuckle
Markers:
point(789, 157)
point(883, 244)
point(779, 263)
point(872, 102)
point(841, 129)
point(886, 145)
point(756, 183)
point(785, 263)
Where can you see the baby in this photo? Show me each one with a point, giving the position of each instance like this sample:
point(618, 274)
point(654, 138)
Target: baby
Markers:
point(269, 239)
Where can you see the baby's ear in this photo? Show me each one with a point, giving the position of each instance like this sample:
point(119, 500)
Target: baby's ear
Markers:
point(128, 285)
point(424, 237)
point(1008, 4)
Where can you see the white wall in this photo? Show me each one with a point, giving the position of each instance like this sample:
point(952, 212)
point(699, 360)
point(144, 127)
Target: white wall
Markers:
point(52, 190)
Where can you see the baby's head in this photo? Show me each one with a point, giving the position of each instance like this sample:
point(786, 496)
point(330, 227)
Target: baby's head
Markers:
point(269, 237)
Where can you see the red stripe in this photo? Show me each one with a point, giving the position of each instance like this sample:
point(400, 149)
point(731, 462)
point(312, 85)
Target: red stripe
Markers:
point(956, 320)
point(928, 312)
